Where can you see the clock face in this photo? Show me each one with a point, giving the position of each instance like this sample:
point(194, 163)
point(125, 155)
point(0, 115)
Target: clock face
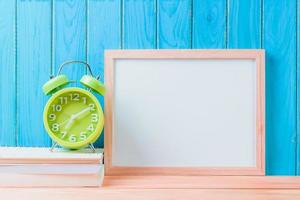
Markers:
point(73, 118)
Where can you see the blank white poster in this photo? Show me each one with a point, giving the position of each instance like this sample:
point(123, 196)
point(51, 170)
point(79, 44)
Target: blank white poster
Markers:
point(184, 113)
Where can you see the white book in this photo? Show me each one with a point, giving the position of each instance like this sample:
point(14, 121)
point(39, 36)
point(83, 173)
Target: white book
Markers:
point(39, 167)
point(51, 180)
point(51, 168)
point(44, 155)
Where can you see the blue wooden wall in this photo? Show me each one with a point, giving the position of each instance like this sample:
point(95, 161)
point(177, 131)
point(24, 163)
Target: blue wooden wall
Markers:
point(37, 35)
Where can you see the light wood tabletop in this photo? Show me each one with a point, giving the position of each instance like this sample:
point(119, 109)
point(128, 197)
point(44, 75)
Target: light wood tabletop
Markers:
point(133, 194)
point(169, 187)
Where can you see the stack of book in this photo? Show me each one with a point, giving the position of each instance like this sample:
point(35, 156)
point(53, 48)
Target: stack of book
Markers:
point(40, 167)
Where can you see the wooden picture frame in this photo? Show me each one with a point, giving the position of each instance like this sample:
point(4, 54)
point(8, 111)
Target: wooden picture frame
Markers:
point(257, 55)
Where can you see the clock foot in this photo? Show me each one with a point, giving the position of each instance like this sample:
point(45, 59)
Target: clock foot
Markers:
point(54, 144)
point(92, 147)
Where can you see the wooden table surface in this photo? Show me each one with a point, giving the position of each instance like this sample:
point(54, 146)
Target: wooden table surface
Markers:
point(137, 187)
point(133, 194)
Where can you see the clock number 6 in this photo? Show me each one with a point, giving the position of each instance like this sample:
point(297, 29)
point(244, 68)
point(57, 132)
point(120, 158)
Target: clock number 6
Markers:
point(72, 138)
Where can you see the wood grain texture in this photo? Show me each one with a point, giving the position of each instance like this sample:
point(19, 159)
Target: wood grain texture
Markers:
point(209, 24)
point(139, 24)
point(104, 35)
point(202, 182)
point(280, 44)
point(142, 194)
point(174, 24)
point(7, 73)
point(101, 36)
point(244, 24)
point(145, 182)
point(69, 32)
point(33, 70)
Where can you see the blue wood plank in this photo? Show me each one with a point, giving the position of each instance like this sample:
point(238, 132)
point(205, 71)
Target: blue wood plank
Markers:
point(33, 70)
point(244, 24)
point(209, 24)
point(69, 36)
point(174, 24)
point(298, 87)
point(139, 24)
point(7, 74)
point(280, 44)
point(104, 32)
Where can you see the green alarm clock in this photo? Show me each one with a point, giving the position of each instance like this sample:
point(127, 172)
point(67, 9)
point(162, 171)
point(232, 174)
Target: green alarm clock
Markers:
point(73, 116)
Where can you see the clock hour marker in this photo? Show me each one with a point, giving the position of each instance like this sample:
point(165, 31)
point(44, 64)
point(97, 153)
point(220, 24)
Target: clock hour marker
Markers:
point(82, 135)
point(72, 138)
point(90, 127)
point(84, 100)
point(92, 106)
point(74, 97)
point(63, 100)
point(63, 134)
point(52, 117)
point(55, 127)
point(94, 117)
point(57, 108)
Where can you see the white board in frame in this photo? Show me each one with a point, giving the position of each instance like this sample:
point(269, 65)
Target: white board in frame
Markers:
point(184, 112)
